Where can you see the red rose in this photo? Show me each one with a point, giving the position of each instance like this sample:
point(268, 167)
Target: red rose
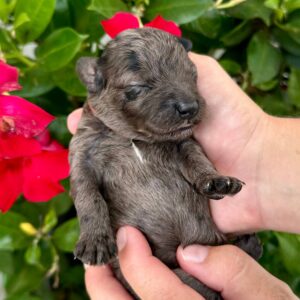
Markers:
point(123, 20)
point(31, 163)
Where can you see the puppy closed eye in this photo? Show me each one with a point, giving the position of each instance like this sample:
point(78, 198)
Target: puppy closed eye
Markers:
point(132, 92)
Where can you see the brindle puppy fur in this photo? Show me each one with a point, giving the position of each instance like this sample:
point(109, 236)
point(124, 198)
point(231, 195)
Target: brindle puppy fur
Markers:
point(133, 159)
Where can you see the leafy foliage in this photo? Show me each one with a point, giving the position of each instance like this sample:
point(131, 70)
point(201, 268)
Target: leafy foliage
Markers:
point(256, 41)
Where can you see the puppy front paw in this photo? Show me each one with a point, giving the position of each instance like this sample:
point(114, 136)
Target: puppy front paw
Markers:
point(220, 186)
point(95, 249)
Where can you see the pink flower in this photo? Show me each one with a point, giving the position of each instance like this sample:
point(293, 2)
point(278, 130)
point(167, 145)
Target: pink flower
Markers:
point(31, 163)
point(122, 21)
point(8, 78)
point(36, 175)
point(16, 114)
point(22, 117)
point(162, 24)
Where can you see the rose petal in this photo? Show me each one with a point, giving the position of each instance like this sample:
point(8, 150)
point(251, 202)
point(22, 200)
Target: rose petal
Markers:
point(8, 78)
point(12, 146)
point(168, 26)
point(22, 117)
point(11, 182)
point(52, 165)
point(119, 22)
point(44, 138)
point(41, 174)
point(53, 146)
point(47, 143)
point(41, 189)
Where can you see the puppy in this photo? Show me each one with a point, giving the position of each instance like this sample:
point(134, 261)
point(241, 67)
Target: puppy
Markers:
point(133, 159)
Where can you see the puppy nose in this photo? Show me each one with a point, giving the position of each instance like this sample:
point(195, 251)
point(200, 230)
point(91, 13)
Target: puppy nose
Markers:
point(186, 109)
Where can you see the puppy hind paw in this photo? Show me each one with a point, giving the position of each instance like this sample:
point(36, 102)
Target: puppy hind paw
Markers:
point(95, 250)
point(251, 244)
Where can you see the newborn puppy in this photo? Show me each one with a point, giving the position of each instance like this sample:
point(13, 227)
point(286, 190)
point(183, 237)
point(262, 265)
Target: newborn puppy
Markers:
point(133, 159)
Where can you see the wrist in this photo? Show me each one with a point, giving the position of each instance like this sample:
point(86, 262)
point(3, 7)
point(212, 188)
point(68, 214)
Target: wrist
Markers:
point(278, 179)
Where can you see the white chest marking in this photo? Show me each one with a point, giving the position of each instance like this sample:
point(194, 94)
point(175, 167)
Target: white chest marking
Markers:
point(137, 152)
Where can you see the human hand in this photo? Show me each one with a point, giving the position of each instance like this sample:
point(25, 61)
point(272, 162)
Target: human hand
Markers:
point(243, 141)
point(232, 135)
point(230, 114)
point(73, 120)
point(226, 269)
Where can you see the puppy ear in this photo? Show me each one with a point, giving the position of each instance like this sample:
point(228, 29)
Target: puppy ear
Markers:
point(187, 44)
point(90, 74)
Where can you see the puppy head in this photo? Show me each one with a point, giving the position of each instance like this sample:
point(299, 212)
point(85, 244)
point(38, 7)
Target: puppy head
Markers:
point(144, 86)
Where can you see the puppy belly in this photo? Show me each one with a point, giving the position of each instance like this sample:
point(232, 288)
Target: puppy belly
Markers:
point(148, 191)
point(168, 216)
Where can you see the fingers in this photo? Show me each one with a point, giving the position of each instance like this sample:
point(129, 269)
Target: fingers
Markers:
point(73, 120)
point(232, 272)
point(229, 112)
point(102, 285)
point(148, 276)
point(215, 85)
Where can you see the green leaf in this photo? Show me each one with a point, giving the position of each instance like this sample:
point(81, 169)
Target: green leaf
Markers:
point(39, 12)
point(230, 66)
point(66, 236)
point(293, 61)
point(6, 262)
point(292, 26)
point(107, 8)
point(179, 11)
point(294, 86)
point(59, 48)
point(291, 5)
point(209, 24)
point(263, 59)
point(59, 130)
point(251, 9)
point(26, 278)
point(62, 202)
point(86, 21)
point(49, 258)
point(30, 211)
point(267, 86)
point(50, 220)
point(273, 4)
point(35, 82)
point(62, 15)
point(274, 104)
point(21, 20)
point(71, 83)
point(23, 296)
point(6, 43)
point(33, 254)
point(289, 249)
point(238, 34)
point(286, 42)
point(6, 7)
point(11, 236)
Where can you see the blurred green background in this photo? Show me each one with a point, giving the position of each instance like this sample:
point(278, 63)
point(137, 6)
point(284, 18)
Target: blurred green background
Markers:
point(256, 41)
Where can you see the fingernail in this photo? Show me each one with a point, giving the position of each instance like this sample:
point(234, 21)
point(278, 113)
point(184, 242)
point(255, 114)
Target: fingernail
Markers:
point(195, 253)
point(86, 266)
point(121, 238)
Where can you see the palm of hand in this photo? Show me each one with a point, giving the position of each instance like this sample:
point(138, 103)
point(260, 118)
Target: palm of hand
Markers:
point(232, 137)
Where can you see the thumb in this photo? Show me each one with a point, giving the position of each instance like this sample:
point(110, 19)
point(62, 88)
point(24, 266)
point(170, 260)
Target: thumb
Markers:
point(73, 120)
point(147, 275)
point(232, 272)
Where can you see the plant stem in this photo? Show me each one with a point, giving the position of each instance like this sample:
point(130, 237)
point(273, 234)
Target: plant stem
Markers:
point(220, 5)
point(22, 59)
point(25, 60)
